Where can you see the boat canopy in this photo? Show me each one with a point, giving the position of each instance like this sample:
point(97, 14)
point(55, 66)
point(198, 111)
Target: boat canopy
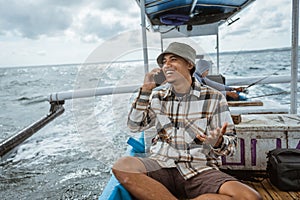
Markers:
point(191, 12)
point(187, 18)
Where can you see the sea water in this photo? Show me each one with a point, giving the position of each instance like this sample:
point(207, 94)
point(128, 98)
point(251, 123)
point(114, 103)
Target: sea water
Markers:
point(71, 157)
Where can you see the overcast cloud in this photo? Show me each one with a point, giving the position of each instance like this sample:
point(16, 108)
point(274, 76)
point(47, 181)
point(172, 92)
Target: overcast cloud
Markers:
point(48, 28)
point(34, 18)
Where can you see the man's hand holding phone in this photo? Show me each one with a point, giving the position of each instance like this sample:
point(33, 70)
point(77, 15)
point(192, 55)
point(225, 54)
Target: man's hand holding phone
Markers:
point(153, 78)
point(159, 78)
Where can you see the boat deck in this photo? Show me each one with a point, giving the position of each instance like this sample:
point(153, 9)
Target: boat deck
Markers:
point(261, 183)
point(270, 192)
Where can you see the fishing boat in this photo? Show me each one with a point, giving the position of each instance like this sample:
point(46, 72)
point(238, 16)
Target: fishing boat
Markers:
point(260, 127)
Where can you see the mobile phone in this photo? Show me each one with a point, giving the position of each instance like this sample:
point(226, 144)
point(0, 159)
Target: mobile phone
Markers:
point(159, 78)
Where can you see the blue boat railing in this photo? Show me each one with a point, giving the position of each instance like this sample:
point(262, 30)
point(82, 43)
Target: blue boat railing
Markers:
point(114, 190)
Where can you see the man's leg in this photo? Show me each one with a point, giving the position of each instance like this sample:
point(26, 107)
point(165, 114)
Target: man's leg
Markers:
point(232, 190)
point(131, 173)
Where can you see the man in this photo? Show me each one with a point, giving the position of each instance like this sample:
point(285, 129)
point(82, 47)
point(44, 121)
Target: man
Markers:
point(194, 128)
point(202, 70)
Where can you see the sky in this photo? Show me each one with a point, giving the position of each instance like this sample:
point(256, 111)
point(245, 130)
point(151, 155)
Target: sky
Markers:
point(50, 32)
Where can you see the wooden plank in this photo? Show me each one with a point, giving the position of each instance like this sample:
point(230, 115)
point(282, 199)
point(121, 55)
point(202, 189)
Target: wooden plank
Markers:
point(295, 195)
point(261, 190)
point(270, 192)
point(245, 103)
point(268, 187)
point(264, 193)
point(262, 185)
point(284, 195)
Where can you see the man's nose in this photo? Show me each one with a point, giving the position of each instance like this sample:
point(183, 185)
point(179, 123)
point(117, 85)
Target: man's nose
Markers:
point(166, 63)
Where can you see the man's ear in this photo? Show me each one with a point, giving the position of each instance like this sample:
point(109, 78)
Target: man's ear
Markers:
point(190, 66)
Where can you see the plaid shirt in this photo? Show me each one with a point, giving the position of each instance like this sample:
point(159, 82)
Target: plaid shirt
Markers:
point(177, 121)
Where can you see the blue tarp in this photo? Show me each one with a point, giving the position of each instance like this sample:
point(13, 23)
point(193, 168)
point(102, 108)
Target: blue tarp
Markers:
point(203, 12)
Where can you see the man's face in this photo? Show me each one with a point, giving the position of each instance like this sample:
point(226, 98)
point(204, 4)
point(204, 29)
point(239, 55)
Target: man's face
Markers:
point(175, 68)
point(204, 74)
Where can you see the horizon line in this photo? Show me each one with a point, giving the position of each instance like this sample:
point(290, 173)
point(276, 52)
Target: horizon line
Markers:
point(137, 60)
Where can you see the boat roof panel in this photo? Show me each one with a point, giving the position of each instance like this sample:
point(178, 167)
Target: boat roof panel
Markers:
point(191, 12)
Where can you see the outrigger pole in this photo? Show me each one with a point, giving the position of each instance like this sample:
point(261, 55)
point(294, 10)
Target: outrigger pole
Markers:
point(10, 143)
point(56, 101)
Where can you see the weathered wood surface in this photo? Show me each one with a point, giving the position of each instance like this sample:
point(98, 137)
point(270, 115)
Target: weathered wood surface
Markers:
point(260, 182)
point(245, 103)
point(256, 107)
point(271, 192)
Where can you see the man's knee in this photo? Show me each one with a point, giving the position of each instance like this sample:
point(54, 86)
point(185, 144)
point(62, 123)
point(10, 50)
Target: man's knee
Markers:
point(248, 194)
point(252, 195)
point(240, 191)
point(126, 169)
point(128, 164)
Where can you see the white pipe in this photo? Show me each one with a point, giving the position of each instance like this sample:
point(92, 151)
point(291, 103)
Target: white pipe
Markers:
point(238, 81)
point(74, 94)
point(144, 36)
point(218, 51)
point(61, 96)
point(294, 57)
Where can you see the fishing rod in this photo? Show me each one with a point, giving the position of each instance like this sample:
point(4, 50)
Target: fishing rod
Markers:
point(245, 89)
point(272, 94)
point(254, 83)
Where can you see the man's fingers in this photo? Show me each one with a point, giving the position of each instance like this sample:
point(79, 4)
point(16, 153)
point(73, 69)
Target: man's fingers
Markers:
point(201, 138)
point(224, 127)
point(214, 136)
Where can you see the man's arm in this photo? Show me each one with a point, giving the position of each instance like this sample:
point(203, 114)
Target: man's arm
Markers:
point(141, 116)
point(218, 86)
point(222, 125)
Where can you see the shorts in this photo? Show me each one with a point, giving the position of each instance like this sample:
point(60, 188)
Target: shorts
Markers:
point(208, 181)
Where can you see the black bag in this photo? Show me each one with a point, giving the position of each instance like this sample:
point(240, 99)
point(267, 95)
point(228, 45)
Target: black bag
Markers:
point(283, 168)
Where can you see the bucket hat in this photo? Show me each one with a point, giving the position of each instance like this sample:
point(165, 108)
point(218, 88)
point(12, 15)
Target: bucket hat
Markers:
point(180, 49)
point(202, 66)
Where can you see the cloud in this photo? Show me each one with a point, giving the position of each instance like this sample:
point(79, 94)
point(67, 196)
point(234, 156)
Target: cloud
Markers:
point(260, 20)
point(101, 25)
point(88, 19)
point(66, 31)
point(32, 19)
point(114, 4)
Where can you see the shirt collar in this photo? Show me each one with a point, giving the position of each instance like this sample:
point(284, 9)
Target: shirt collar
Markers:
point(194, 90)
